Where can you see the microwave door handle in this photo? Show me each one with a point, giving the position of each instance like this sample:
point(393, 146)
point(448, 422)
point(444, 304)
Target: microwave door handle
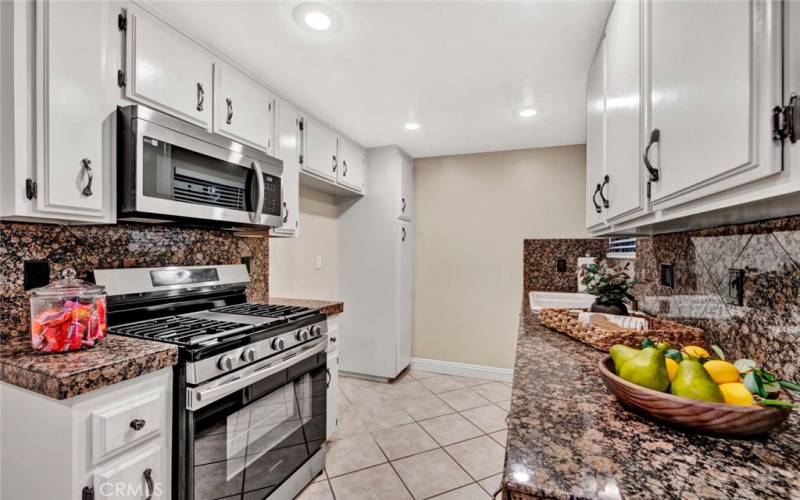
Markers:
point(200, 398)
point(255, 217)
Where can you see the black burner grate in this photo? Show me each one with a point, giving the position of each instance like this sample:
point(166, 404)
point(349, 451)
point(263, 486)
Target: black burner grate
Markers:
point(267, 311)
point(182, 330)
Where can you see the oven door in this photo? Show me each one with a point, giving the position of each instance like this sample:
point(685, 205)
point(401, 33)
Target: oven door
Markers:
point(247, 435)
point(176, 174)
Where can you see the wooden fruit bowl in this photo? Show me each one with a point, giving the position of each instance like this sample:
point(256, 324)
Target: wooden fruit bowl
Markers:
point(709, 418)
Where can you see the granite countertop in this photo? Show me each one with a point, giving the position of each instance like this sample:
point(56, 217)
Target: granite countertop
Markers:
point(63, 376)
point(569, 438)
point(329, 307)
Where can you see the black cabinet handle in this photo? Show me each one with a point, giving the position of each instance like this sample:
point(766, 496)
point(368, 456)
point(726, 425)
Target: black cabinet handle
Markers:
point(606, 180)
point(201, 96)
point(334, 163)
point(655, 136)
point(403, 238)
point(148, 478)
point(137, 424)
point(597, 207)
point(328, 378)
point(87, 167)
point(286, 216)
point(403, 206)
point(229, 102)
point(344, 168)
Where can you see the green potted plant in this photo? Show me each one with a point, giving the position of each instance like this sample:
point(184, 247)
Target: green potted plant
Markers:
point(610, 284)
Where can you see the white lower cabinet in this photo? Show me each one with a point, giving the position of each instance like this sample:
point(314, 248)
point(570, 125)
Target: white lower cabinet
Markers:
point(114, 442)
point(332, 394)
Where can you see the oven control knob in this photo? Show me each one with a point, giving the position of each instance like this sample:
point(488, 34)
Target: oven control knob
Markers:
point(302, 335)
point(225, 362)
point(316, 331)
point(278, 344)
point(249, 355)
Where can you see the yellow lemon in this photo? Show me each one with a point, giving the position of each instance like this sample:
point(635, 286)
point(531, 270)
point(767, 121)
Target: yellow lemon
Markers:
point(696, 351)
point(721, 372)
point(672, 368)
point(735, 393)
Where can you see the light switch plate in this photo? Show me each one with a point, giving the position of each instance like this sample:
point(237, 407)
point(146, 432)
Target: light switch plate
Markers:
point(319, 262)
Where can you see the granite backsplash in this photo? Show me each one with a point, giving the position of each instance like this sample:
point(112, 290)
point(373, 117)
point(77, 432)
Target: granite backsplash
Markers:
point(540, 262)
point(766, 325)
point(113, 246)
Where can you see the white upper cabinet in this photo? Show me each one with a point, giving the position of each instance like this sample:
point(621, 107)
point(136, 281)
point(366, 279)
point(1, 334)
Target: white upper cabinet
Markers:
point(287, 148)
point(621, 186)
point(715, 75)
point(166, 70)
point(595, 138)
point(244, 111)
point(72, 69)
point(320, 150)
point(405, 199)
point(352, 163)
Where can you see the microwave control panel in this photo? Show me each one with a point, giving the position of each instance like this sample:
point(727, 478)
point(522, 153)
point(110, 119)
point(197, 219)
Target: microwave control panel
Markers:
point(272, 195)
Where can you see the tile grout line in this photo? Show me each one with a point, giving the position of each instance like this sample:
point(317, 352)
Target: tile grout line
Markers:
point(392, 466)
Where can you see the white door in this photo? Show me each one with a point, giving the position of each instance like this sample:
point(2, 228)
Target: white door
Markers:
point(351, 165)
point(405, 202)
point(320, 149)
point(72, 90)
point(623, 188)
point(403, 280)
point(244, 110)
point(287, 148)
point(595, 139)
point(166, 70)
point(332, 395)
point(715, 74)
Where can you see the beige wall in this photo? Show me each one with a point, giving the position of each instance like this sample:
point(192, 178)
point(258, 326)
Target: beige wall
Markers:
point(292, 261)
point(472, 213)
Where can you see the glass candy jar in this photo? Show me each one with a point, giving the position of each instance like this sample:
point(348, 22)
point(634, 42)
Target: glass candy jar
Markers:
point(67, 315)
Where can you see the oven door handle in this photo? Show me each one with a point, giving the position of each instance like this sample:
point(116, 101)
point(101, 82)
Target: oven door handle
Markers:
point(255, 217)
point(198, 397)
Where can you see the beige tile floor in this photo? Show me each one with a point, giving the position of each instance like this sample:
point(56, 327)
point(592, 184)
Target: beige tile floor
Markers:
point(423, 436)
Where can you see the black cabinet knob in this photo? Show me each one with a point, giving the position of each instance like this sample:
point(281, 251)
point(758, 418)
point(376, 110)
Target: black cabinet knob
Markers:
point(137, 424)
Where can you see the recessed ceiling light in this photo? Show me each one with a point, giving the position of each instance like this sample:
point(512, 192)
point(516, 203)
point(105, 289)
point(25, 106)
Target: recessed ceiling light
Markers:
point(527, 112)
point(412, 126)
point(317, 18)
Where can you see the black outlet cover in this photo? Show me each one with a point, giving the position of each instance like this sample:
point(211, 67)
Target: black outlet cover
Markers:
point(561, 265)
point(35, 273)
point(667, 276)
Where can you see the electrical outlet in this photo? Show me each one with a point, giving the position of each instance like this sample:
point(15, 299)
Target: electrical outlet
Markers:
point(561, 265)
point(735, 294)
point(247, 261)
point(319, 262)
point(667, 276)
point(35, 273)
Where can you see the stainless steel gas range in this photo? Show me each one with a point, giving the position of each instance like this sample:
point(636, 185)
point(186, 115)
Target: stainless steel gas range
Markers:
point(250, 386)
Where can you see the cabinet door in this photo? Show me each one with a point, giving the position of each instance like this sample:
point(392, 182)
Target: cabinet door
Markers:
point(623, 186)
point(332, 395)
point(405, 202)
point(245, 111)
point(287, 148)
point(403, 280)
point(351, 165)
point(320, 150)
point(166, 70)
point(595, 138)
point(712, 86)
point(137, 475)
point(72, 90)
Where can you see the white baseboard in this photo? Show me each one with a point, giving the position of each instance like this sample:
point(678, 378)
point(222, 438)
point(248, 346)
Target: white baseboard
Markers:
point(462, 369)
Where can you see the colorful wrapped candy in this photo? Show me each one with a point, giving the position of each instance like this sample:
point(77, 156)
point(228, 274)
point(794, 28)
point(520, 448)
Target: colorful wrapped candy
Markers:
point(67, 315)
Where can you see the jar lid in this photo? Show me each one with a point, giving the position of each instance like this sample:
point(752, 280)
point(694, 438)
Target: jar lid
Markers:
point(69, 285)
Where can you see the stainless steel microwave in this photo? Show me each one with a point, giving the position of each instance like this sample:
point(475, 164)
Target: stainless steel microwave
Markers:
point(170, 170)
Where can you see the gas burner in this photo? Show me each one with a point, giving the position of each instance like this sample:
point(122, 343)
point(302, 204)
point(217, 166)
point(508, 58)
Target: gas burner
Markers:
point(182, 330)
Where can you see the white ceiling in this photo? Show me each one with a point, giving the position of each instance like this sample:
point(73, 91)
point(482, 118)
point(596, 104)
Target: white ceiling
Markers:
point(461, 69)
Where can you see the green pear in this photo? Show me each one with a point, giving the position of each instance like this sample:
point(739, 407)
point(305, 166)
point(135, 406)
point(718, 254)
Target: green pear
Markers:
point(693, 381)
point(621, 354)
point(648, 369)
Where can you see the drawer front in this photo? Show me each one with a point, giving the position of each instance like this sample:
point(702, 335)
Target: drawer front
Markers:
point(127, 423)
point(134, 476)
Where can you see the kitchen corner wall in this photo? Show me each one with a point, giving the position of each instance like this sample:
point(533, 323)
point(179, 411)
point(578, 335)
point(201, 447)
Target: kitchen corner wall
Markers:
point(766, 326)
point(541, 257)
point(112, 246)
point(471, 215)
point(293, 272)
